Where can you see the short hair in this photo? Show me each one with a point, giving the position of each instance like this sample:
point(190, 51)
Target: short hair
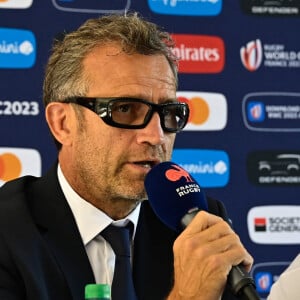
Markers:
point(64, 72)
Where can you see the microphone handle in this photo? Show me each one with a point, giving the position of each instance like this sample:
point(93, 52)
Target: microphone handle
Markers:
point(240, 282)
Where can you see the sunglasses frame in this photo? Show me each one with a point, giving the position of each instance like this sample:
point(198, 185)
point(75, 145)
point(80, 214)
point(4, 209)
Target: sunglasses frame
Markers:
point(102, 107)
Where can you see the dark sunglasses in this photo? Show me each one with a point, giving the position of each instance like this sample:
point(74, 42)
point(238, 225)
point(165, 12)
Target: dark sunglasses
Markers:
point(132, 113)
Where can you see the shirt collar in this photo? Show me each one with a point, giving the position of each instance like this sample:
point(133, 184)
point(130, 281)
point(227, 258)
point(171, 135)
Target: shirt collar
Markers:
point(89, 219)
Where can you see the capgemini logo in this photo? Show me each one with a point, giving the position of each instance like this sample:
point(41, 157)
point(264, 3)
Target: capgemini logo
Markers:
point(26, 48)
point(251, 55)
point(170, 2)
point(17, 48)
point(174, 2)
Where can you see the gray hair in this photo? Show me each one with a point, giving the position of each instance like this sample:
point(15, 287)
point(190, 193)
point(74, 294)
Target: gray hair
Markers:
point(64, 72)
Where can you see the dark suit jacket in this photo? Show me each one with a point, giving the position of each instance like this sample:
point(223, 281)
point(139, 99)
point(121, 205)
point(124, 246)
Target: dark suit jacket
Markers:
point(42, 256)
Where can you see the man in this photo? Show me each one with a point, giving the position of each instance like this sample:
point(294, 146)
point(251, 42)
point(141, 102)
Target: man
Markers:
point(110, 98)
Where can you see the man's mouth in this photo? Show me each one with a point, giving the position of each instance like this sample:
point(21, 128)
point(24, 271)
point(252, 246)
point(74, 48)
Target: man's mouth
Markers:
point(148, 164)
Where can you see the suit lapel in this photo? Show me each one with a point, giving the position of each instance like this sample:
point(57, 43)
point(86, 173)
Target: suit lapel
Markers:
point(153, 253)
point(153, 256)
point(53, 215)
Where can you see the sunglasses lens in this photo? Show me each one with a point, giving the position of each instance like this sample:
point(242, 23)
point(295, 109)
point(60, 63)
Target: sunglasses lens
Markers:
point(175, 116)
point(132, 113)
point(136, 113)
point(129, 112)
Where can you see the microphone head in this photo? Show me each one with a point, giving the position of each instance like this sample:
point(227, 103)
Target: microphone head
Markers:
point(173, 193)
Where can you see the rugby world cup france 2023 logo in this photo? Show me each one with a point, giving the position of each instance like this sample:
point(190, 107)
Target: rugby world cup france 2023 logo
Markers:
point(252, 55)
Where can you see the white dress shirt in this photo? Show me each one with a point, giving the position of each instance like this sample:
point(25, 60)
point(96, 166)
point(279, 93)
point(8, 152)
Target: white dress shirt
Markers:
point(91, 221)
point(287, 287)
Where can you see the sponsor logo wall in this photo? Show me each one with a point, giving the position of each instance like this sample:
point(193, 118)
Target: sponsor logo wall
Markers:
point(199, 53)
point(265, 274)
point(17, 48)
point(209, 167)
point(186, 8)
point(274, 224)
point(15, 4)
point(272, 111)
point(239, 72)
point(208, 111)
point(269, 55)
point(17, 162)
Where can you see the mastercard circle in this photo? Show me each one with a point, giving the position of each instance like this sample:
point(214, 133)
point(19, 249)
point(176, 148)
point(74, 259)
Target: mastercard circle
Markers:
point(10, 166)
point(199, 109)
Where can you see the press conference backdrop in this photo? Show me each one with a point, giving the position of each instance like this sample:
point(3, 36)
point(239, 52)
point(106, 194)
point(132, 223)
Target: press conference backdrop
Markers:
point(239, 73)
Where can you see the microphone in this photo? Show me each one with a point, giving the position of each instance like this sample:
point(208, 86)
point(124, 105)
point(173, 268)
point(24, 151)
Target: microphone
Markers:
point(176, 198)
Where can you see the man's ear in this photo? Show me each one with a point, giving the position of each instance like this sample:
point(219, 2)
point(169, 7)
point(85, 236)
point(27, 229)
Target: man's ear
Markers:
point(59, 118)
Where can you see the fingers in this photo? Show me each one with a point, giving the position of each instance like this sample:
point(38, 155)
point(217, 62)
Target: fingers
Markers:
point(217, 236)
point(202, 221)
point(231, 251)
point(204, 254)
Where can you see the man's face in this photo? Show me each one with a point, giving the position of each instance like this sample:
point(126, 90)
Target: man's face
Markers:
point(111, 163)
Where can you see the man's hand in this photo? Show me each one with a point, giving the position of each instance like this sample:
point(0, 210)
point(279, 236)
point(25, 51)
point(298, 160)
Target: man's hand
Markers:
point(204, 253)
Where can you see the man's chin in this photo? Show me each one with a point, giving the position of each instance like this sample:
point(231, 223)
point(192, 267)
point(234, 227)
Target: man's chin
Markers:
point(134, 195)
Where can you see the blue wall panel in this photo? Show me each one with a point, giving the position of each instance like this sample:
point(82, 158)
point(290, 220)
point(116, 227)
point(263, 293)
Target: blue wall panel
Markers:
point(240, 74)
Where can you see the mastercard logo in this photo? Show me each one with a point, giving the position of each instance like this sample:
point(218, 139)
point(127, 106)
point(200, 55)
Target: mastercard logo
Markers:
point(10, 166)
point(208, 111)
point(17, 162)
point(199, 109)
point(15, 3)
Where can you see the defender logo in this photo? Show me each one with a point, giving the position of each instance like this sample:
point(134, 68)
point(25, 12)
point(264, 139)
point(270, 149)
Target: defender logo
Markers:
point(274, 168)
point(271, 8)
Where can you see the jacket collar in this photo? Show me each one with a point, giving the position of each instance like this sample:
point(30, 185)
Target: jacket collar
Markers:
point(54, 217)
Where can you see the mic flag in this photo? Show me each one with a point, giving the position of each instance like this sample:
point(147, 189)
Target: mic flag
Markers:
point(173, 193)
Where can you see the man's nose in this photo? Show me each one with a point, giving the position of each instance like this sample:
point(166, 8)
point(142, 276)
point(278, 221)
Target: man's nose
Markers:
point(153, 132)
